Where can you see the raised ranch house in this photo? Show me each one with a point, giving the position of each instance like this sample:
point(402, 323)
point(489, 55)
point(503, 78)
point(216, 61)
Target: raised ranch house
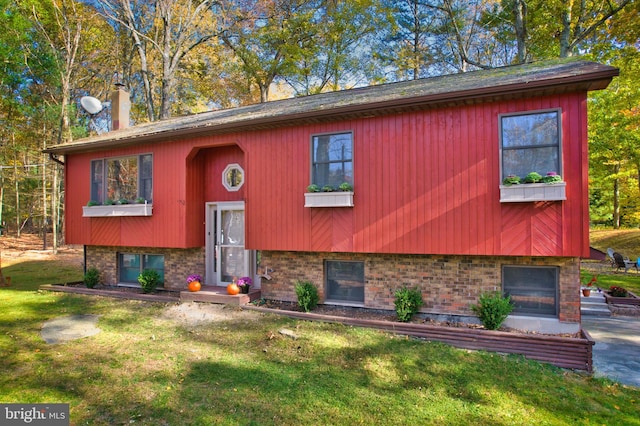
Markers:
point(224, 193)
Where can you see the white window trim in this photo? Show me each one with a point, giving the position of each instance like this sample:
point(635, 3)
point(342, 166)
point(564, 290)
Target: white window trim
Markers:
point(104, 161)
point(532, 112)
point(224, 177)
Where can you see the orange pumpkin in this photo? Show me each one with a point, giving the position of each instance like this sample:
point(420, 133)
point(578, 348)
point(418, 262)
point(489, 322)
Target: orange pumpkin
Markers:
point(194, 286)
point(233, 289)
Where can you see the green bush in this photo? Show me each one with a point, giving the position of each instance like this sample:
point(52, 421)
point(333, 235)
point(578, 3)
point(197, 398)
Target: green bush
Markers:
point(408, 303)
point(345, 187)
point(307, 295)
point(511, 180)
point(533, 177)
point(149, 279)
point(492, 309)
point(92, 277)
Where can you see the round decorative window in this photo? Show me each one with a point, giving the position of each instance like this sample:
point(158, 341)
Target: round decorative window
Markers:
point(233, 177)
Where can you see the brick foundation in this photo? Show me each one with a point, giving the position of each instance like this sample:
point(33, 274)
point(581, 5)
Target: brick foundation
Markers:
point(449, 284)
point(178, 263)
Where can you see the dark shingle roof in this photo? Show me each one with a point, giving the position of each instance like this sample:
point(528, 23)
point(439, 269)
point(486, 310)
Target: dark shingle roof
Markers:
point(536, 79)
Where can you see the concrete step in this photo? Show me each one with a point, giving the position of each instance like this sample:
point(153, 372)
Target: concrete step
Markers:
point(594, 305)
point(595, 312)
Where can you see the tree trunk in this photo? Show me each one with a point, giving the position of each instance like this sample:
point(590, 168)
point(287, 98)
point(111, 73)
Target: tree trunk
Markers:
point(565, 34)
point(44, 202)
point(130, 22)
point(15, 181)
point(616, 198)
point(520, 24)
point(3, 231)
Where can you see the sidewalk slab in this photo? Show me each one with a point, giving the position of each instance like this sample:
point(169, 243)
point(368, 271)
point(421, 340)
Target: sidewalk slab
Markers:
point(615, 354)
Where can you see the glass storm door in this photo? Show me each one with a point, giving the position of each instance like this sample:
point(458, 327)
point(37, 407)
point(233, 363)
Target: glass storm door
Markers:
point(231, 245)
point(228, 258)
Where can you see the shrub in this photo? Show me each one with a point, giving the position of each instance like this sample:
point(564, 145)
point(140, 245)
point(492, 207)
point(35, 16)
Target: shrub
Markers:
point(149, 280)
point(492, 309)
point(511, 180)
point(345, 187)
point(533, 177)
point(617, 291)
point(408, 303)
point(552, 177)
point(307, 295)
point(92, 277)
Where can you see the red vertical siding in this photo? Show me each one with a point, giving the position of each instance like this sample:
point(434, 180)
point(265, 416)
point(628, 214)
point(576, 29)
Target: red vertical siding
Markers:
point(424, 182)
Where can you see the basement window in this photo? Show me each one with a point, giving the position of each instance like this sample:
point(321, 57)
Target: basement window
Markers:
point(344, 282)
point(131, 265)
point(533, 289)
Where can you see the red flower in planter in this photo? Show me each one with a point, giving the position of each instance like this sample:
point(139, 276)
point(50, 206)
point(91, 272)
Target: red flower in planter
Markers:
point(594, 279)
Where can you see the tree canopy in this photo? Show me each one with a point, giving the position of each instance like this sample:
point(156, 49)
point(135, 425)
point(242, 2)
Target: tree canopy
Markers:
point(180, 57)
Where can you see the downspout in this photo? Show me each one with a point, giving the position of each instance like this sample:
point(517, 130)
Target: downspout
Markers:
point(53, 157)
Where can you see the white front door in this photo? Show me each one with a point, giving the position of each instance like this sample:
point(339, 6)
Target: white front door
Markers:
point(225, 253)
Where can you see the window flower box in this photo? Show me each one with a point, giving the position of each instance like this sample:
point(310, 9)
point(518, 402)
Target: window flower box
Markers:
point(533, 192)
point(328, 199)
point(118, 210)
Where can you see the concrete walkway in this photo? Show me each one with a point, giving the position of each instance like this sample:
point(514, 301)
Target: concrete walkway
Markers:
point(616, 354)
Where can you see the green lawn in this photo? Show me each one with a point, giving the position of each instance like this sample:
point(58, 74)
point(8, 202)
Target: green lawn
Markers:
point(624, 241)
point(145, 368)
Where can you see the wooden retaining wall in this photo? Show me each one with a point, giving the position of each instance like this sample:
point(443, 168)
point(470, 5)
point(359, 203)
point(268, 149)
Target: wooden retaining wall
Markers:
point(565, 352)
point(632, 299)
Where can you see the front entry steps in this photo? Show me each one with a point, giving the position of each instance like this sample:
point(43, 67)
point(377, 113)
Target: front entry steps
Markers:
point(594, 305)
point(215, 294)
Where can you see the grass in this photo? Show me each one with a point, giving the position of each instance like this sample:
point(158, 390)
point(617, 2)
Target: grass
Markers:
point(146, 368)
point(624, 241)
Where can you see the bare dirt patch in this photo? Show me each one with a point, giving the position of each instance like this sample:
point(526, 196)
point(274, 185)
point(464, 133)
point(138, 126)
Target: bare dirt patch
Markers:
point(31, 247)
point(192, 313)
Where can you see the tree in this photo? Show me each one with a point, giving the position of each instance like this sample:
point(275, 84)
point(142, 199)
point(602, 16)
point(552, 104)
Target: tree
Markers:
point(171, 29)
point(340, 55)
point(269, 38)
point(614, 140)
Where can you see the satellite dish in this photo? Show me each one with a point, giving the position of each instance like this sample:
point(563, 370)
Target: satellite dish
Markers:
point(91, 104)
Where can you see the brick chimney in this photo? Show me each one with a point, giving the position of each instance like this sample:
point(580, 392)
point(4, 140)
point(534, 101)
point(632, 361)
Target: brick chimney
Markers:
point(120, 107)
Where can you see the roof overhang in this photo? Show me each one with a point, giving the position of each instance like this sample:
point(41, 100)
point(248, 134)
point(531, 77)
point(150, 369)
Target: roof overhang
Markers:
point(514, 82)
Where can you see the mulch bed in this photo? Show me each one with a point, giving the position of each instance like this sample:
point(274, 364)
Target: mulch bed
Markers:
point(116, 292)
point(568, 351)
point(385, 315)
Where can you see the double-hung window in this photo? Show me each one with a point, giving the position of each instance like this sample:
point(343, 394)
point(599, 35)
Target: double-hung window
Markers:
point(332, 159)
point(530, 142)
point(122, 178)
